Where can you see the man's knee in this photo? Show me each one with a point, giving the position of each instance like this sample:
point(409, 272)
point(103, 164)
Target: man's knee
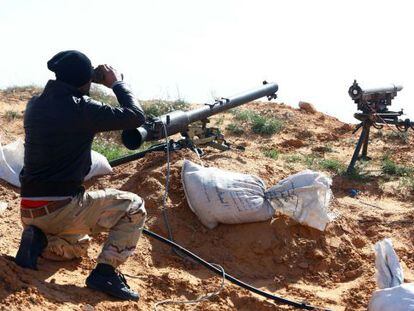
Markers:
point(62, 248)
point(136, 210)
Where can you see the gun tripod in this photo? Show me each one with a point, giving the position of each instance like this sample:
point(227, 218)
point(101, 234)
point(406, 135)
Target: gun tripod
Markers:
point(362, 143)
point(377, 120)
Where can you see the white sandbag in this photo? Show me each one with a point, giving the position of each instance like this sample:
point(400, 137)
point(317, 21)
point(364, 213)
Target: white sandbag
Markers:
point(393, 295)
point(304, 197)
point(219, 196)
point(12, 157)
point(100, 165)
point(389, 272)
point(398, 298)
point(11, 161)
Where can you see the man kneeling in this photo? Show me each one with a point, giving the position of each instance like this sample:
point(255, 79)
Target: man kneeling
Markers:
point(56, 212)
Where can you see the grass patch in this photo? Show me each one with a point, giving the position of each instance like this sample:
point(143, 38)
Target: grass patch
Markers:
point(235, 128)
point(313, 162)
point(11, 115)
point(159, 107)
point(389, 167)
point(271, 153)
point(259, 124)
point(110, 149)
point(242, 115)
point(265, 125)
point(332, 165)
point(310, 161)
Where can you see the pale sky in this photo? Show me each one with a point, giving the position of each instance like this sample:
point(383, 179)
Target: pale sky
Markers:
point(199, 49)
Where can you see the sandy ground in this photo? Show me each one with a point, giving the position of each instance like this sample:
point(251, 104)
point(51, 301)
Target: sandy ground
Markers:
point(334, 269)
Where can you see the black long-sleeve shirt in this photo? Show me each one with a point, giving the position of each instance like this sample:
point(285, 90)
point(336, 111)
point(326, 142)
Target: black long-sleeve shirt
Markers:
point(60, 125)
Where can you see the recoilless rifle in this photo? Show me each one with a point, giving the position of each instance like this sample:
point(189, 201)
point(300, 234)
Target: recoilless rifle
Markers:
point(192, 125)
point(373, 103)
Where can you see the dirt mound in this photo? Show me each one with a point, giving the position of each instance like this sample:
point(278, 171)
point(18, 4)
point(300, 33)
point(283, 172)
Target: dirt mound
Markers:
point(334, 268)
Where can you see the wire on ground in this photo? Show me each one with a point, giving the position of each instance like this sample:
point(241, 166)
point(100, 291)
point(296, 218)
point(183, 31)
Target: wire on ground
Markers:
point(211, 267)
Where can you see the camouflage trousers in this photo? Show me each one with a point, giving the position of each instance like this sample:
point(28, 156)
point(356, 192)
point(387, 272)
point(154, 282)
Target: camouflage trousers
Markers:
point(120, 213)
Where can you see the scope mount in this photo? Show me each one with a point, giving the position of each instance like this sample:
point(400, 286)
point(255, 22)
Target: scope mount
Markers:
point(196, 136)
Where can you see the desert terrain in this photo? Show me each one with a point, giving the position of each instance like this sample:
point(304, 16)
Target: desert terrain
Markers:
point(332, 269)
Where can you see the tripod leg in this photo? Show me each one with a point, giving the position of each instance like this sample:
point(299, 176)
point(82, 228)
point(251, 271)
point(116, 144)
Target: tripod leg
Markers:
point(365, 145)
point(357, 150)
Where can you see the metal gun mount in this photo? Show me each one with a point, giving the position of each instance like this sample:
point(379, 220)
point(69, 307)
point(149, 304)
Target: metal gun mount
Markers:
point(192, 125)
point(373, 103)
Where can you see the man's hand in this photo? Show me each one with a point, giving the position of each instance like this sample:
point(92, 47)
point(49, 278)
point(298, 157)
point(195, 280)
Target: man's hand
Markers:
point(109, 75)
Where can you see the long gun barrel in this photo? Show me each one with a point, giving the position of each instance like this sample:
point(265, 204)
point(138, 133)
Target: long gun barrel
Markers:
point(178, 121)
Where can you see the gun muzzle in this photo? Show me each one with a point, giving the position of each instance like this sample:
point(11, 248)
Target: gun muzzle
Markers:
point(133, 139)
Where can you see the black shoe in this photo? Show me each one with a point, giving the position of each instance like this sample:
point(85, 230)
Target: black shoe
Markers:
point(32, 244)
point(113, 284)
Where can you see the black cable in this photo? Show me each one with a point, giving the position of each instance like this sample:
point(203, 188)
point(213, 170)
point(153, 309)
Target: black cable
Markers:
point(167, 186)
point(230, 278)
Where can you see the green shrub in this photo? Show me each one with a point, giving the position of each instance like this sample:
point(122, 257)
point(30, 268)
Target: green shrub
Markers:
point(159, 107)
point(242, 115)
point(271, 153)
point(235, 128)
point(389, 167)
point(10, 115)
point(309, 160)
point(109, 149)
point(331, 165)
point(313, 162)
point(265, 125)
point(259, 124)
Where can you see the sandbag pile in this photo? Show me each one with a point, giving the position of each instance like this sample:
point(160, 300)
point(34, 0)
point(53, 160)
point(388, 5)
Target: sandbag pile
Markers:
point(12, 156)
point(219, 196)
point(393, 295)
